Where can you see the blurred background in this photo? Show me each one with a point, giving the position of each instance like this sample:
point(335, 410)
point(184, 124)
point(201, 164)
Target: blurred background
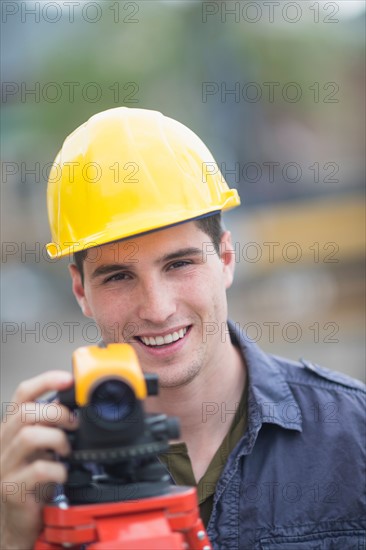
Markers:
point(275, 89)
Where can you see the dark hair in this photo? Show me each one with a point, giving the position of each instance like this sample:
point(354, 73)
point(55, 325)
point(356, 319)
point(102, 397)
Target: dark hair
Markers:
point(210, 225)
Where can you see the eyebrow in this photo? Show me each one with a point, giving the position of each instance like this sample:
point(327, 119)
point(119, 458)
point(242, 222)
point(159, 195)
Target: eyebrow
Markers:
point(106, 269)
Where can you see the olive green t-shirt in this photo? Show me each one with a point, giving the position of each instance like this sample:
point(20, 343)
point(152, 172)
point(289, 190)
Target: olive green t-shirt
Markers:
point(179, 464)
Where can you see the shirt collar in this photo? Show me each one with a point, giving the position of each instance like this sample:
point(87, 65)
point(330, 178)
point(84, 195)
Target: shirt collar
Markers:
point(270, 399)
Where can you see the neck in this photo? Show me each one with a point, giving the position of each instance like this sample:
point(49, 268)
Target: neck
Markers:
point(206, 406)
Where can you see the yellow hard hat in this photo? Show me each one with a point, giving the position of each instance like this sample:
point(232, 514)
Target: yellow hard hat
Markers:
point(128, 171)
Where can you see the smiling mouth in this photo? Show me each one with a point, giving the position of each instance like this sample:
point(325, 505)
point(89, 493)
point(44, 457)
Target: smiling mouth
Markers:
point(167, 339)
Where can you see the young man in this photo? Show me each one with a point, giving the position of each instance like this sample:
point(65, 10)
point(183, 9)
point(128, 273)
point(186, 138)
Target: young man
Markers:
point(134, 196)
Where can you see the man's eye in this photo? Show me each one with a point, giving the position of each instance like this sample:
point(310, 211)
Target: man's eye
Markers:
point(117, 277)
point(180, 263)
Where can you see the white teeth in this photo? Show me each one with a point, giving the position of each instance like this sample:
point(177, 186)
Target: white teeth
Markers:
point(161, 340)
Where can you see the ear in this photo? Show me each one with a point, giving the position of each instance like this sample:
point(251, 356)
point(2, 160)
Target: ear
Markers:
point(79, 291)
point(227, 257)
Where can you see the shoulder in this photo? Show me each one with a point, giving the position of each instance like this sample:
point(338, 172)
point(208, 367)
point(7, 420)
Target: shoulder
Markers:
point(325, 395)
point(306, 373)
point(274, 379)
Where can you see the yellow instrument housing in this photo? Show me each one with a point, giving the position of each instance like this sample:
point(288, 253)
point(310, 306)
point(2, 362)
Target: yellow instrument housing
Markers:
point(93, 364)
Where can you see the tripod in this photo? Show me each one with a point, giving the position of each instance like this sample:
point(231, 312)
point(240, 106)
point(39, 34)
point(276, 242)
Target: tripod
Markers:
point(167, 522)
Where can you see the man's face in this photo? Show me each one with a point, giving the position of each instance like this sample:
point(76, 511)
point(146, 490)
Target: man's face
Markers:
point(160, 292)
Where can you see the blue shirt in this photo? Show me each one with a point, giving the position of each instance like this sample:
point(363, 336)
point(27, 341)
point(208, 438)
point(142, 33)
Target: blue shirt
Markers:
point(296, 479)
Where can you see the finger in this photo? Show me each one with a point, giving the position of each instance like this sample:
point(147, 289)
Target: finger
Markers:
point(42, 475)
point(23, 495)
point(46, 414)
point(28, 441)
point(30, 390)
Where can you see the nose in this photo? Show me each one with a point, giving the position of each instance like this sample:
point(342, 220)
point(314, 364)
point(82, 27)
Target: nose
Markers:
point(157, 302)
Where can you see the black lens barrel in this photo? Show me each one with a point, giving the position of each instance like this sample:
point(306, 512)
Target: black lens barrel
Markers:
point(113, 400)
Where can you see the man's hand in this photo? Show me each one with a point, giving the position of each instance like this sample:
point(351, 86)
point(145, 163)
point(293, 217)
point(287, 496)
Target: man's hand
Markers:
point(30, 435)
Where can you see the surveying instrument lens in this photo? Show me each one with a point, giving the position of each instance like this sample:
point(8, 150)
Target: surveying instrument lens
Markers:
point(113, 400)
